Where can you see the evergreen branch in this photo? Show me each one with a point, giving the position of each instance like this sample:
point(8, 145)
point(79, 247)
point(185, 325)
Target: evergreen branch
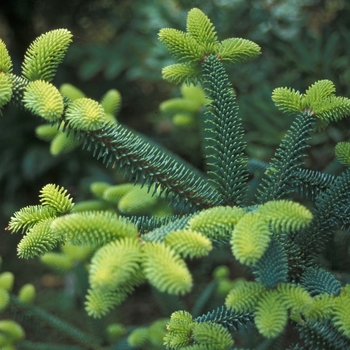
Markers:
point(27, 217)
point(56, 198)
point(146, 224)
point(319, 90)
point(5, 59)
point(318, 281)
point(45, 54)
point(322, 335)
point(342, 152)
point(244, 297)
point(189, 243)
point(159, 234)
point(43, 99)
point(227, 161)
point(287, 100)
point(278, 178)
point(285, 216)
point(165, 269)
point(235, 50)
point(179, 73)
point(99, 302)
point(201, 29)
point(309, 183)
point(212, 335)
point(271, 315)
point(5, 89)
point(34, 315)
point(92, 228)
point(227, 318)
point(122, 148)
point(272, 268)
point(38, 240)
point(250, 238)
point(180, 45)
point(217, 222)
point(313, 238)
point(115, 264)
point(144, 160)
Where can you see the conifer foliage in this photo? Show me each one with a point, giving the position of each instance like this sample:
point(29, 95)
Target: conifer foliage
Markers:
point(278, 239)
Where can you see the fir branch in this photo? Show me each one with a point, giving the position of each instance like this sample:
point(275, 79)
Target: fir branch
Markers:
point(29, 216)
point(144, 160)
point(5, 59)
point(5, 89)
point(318, 281)
point(45, 54)
point(228, 164)
point(278, 178)
point(244, 296)
point(227, 318)
point(147, 224)
point(189, 243)
point(322, 335)
point(272, 268)
point(309, 183)
point(313, 238)
point(271, 315)
point(120, 147)
point(92, 228)
point(159, 234)
point(43, 99)
point(165, 269)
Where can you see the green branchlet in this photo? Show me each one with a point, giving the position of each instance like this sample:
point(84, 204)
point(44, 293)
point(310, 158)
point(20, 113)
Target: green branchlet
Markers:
point(45, 54)
point(122, 258)
point(319, 100)
point(191, 47)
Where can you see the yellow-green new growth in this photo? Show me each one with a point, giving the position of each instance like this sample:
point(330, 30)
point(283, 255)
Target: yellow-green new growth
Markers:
point(27, 293)
point(216, 222)
point(11, 333)
point(244, 296)
point(179, 330)
point(4, 299)
point(285, 216)
point(63, 143)
point(342, 152)
point(5, 59)
point(27, 217)
point(56, 197)
point(250, 238)
point(341, 312)
point(165, 269)
point(6, 280)
point(319, 100)
point(93, 228)
point(271, 315)
point(44, 100)
point(185, 108)
point(5, 89)
point(71, 92)
point(189, 243)
point(85, 114)
point(111, 102)
point(115, 264)
point(45, 54)
point(38, 240)
point(200, 40)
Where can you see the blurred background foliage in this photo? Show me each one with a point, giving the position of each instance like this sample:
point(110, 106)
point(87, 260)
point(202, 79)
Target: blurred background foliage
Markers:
point(115, 47)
